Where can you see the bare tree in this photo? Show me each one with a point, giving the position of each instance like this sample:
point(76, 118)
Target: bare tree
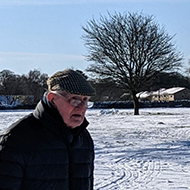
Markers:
point(34, 83)
point(131, 48)
point(8, 82)
point(187, 71)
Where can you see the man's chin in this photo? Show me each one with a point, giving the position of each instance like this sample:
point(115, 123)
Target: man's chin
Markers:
point(76, 121)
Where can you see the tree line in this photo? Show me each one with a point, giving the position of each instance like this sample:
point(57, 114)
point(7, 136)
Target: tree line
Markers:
point(34, 83)
point(108, 90)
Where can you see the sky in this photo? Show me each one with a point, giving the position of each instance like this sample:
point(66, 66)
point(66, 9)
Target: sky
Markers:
point(47, 34)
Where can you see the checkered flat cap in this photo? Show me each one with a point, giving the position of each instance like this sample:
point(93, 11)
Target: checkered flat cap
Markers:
point(70, 81)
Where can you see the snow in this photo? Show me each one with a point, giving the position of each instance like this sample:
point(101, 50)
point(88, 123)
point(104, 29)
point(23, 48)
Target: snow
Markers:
point(173, 90)
point(148, 151)
point(161, 91)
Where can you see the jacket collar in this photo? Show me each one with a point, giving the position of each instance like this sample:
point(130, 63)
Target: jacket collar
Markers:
point(50, 118)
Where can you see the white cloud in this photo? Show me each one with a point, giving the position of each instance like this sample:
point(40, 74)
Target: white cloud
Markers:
point(34, 56)
point(47, 63)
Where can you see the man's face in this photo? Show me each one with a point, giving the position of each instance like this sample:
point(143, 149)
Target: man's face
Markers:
point(71, 107)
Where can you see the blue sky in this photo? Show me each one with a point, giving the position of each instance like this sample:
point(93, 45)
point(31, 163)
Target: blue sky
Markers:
point(46, 34)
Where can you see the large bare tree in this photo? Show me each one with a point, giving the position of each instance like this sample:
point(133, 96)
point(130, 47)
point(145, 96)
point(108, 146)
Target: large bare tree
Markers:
point(131, 48)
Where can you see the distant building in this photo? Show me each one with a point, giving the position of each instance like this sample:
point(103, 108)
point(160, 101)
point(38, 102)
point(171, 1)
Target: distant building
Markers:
point(171, 94)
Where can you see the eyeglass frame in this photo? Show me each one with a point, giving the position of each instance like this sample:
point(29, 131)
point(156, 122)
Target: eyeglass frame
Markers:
point(72, 99)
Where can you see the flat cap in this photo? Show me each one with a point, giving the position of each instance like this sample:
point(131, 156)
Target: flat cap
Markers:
point(70, 81)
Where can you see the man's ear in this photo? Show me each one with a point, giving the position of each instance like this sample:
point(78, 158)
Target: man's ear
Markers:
point(50, 98)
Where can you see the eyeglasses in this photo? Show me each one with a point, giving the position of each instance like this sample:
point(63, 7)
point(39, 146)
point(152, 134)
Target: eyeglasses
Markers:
point(74, 100)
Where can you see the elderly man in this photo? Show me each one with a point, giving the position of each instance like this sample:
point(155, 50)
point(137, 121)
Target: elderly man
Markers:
point(51, 148)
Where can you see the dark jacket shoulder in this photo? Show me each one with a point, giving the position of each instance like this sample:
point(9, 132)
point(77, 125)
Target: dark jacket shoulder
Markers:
point(22, 133)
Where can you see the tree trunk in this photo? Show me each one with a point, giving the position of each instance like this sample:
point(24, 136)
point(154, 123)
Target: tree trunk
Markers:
point(136, 104)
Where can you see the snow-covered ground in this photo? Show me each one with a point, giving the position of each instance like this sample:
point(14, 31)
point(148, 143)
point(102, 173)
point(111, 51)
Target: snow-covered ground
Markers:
point(150, 151)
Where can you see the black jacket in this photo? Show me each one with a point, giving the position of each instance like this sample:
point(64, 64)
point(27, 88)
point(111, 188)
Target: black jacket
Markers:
point(40, 153)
